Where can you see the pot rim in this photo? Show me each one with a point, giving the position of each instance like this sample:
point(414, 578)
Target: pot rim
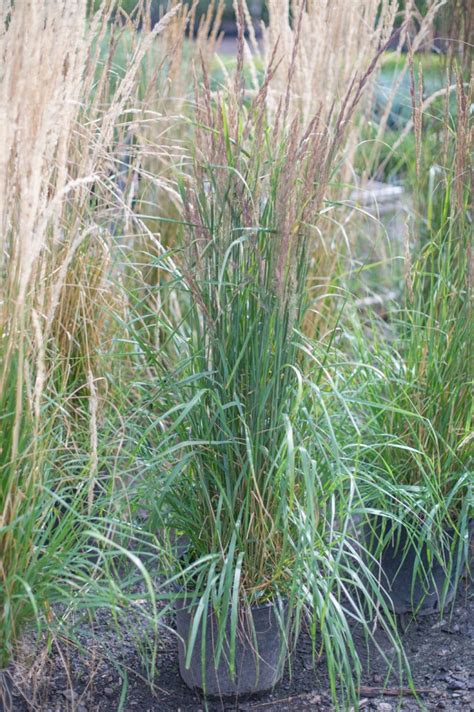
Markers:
point(253, 606)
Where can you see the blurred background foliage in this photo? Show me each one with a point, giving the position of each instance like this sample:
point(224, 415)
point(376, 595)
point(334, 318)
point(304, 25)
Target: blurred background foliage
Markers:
point(455, 19)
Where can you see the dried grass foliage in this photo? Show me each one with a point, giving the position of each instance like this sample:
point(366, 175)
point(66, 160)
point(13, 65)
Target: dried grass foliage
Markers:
point(62, 129)
point(313, 73)
point(416, 34)
point(40, 94)
point(60, 123)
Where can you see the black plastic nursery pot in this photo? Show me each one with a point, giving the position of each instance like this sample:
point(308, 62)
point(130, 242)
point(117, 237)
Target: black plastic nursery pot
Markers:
point(6, 690)
point(260, 653)
point(414, 581)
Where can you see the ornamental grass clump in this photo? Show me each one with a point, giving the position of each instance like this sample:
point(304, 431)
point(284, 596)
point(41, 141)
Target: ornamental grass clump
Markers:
point(55, 131)
point(36, 127)
point(416, 397)
point(257, 512)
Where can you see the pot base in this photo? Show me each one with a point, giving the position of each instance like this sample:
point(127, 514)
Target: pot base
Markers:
point(423, 593)
point(260, 652)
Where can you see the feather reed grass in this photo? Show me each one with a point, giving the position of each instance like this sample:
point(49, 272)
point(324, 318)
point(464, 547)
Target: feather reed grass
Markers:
point(415, 397)
point(58, 122)
point(238, 477)
point(308, 37)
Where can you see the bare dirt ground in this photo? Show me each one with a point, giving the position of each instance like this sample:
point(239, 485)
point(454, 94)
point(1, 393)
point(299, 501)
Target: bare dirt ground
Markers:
point(108, 676)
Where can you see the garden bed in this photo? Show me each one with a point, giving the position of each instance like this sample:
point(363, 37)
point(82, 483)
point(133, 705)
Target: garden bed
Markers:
point(441, 654)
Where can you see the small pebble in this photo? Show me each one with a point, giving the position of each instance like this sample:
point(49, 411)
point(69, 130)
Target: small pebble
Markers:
point(108, 691)
point(69, 695)
point(384, 707)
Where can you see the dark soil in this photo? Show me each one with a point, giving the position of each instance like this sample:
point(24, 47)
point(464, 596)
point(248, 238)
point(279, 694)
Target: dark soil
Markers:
point(108, 676)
